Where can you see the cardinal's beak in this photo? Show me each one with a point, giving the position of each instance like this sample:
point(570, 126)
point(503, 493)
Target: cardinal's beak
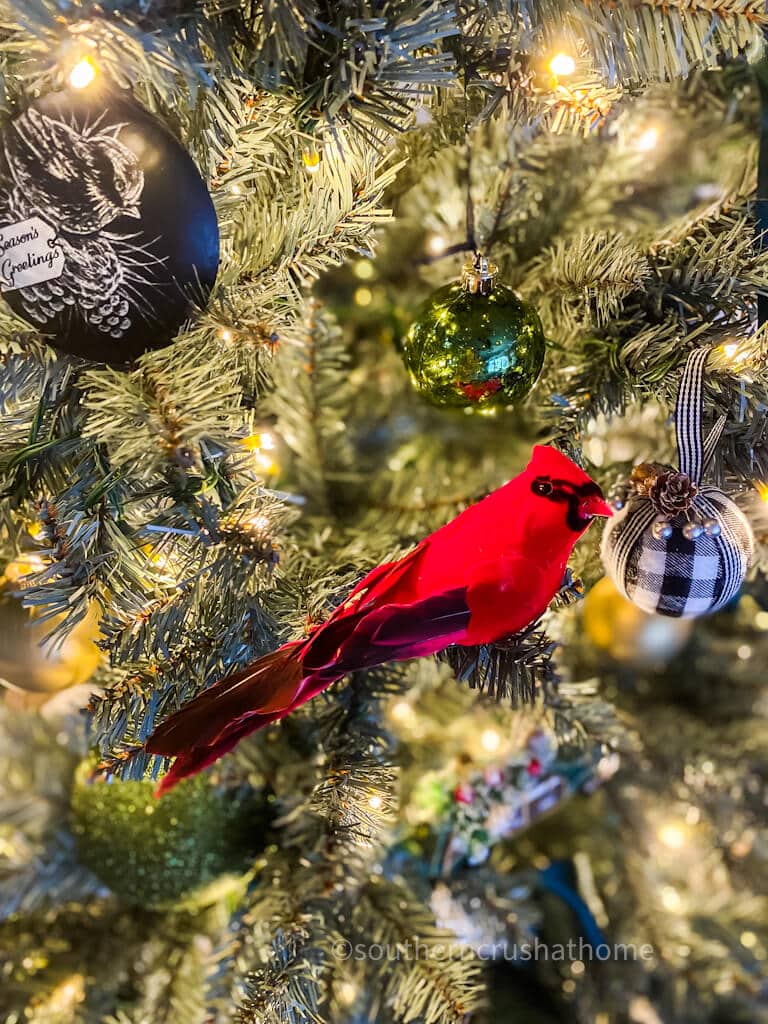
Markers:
point(595, 505)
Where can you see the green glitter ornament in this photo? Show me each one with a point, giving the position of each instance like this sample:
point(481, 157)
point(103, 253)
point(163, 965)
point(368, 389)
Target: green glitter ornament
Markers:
point(475, 342)
point(190, 847)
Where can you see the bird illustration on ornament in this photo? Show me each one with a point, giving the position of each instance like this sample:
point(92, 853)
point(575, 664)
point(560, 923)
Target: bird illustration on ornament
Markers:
point(80, 180)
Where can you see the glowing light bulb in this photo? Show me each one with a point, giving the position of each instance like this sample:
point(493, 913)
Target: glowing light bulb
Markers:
point(225, 334)
point(748, 940)
point(762, 490)
point(647, 140)
point(733, 351)
point(258, 522)
point(82, 74)
point(311, 160)
point(267, 441)
point(562, 64)
point(670, 898)
point(347, 993)
point(436, 244)
point(363, 296)
point(36, 530)
point(673, 835)
point(402, 711)
point(253, 442)
point(364, 270)
point(375, 802)
point(490, 740)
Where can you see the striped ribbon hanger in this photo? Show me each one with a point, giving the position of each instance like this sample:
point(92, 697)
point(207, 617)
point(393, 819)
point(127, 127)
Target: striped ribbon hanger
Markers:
point(694, 453)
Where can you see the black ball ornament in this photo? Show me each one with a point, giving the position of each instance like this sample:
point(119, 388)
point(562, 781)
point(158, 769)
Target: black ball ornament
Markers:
point(475, 343)
point(108, 235)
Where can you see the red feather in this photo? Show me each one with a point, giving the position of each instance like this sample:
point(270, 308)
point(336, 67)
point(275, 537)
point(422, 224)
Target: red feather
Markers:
point(488, 573)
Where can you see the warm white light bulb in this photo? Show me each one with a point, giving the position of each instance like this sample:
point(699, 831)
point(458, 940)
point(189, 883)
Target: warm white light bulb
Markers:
point(647, 140)
point(562, 64)
point(402, 710)
point(670, 898)
point(490, 740)
point(436, 245)
point(375, 802)
point(82, 74)
point(672, 835)
point(258, 522)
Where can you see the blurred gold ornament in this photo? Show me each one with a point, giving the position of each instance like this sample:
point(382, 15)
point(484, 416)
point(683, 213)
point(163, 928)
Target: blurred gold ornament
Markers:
point(28, 667)
point(628, 634)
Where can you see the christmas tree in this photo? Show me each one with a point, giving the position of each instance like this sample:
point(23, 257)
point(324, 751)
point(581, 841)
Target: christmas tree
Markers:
point(288, 286)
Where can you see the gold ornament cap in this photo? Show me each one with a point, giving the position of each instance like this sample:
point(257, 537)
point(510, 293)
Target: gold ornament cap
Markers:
point(478, 275)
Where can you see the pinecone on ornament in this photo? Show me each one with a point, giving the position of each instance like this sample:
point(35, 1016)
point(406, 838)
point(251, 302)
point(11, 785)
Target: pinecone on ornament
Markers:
point(672, 493)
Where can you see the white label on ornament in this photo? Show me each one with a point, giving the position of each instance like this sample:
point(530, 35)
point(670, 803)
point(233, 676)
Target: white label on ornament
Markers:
point(29, 254)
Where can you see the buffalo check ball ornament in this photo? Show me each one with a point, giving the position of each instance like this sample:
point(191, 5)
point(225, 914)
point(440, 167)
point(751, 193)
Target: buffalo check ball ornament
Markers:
point(678, 546)
point(108, 235)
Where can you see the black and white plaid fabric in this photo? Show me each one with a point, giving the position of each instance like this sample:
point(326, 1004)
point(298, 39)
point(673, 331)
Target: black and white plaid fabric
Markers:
point(677, 576)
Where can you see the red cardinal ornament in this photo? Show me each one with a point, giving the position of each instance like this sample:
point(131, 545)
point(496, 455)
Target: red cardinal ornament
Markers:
point(485, 575)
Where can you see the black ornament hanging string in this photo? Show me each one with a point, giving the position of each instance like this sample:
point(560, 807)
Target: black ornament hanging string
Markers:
point(469, 243)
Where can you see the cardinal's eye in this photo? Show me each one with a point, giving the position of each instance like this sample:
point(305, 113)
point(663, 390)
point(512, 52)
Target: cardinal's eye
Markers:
point(542, 487)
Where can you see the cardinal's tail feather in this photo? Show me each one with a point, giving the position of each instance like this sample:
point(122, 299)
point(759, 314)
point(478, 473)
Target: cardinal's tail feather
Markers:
point(263, 688)
point(194, 760)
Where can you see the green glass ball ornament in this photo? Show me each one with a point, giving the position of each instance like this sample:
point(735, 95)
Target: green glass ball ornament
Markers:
point(475, 343)
point(188, 848)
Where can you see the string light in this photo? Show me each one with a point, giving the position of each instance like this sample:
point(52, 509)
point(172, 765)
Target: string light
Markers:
point(673, 835)
point(436, 245)
point(346, 993)
point(36, 530)
point(375, 802)
point(66, 995)
point(82, 74)
point(748, 940)
point(364, 270)
point(258, 442)
point(490, 740)
point(311, 160)
point(363, 296)
point(258, 522)
point(562, 64)
point(762, 490)
point(734, 351)
point(647, 140)
point(402, 711)
point(670, 898)
point(260, 445)
point(225, 334)
point(24, 565)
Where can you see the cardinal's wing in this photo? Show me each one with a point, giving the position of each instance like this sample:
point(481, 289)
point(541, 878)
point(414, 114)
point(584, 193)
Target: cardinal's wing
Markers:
point(507, 594)
point(387, 632)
